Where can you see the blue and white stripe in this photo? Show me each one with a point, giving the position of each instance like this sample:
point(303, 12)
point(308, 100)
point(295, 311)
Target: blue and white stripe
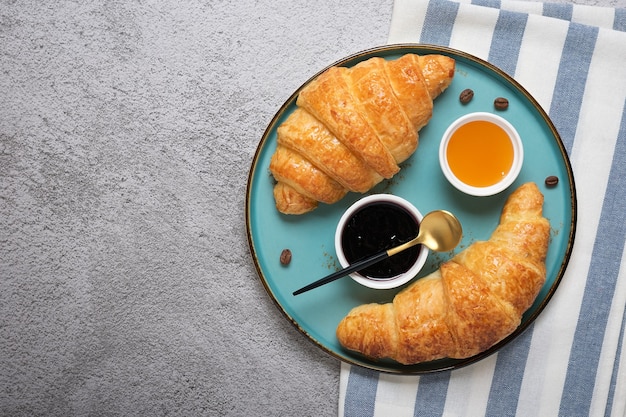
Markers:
point(572, 59)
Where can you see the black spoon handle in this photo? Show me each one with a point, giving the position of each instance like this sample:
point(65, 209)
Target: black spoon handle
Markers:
point(343, 272)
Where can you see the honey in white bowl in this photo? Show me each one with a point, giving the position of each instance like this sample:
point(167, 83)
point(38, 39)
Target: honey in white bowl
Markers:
point(481, 154)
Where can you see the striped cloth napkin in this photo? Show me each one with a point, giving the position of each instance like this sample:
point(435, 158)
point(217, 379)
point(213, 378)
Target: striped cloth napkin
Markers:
point(572, 360)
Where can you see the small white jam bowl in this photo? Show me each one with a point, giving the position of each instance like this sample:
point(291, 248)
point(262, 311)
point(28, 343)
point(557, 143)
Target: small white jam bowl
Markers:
point(380, 283)
point(518, 154)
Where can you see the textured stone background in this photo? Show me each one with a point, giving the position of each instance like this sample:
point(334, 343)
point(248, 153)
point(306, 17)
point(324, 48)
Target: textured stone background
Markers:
point(126, 135)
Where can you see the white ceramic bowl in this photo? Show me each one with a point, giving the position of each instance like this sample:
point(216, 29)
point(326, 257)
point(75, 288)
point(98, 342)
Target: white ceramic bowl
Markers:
point(518, 154)
point(380, 283)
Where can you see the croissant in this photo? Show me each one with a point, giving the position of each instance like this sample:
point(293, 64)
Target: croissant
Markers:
point(353, 126)
point(470, 303)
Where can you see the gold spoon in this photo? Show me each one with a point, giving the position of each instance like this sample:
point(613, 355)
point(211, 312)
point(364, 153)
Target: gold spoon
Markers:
point(439, 230)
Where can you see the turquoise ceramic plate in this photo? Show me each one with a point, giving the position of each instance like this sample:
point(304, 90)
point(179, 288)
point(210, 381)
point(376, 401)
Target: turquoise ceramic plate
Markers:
point(310, 236)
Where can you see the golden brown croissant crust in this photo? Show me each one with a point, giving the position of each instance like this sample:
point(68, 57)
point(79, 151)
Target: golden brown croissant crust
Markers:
point(352, 128)
point(471, 303)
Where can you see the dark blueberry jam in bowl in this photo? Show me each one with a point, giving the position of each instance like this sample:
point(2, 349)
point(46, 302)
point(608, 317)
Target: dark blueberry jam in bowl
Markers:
point(375, 224)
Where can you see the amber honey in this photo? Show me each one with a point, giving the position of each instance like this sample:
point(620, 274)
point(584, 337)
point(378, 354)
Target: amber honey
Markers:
point(480, 153)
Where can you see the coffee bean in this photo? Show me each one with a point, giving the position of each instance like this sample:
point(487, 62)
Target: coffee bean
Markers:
point(552, 180)
point(285, 257)
point(466, 96)
point(501, 103)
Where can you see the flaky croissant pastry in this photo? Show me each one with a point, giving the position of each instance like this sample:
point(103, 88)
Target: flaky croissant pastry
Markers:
point(471, 303)
point(352, 128)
